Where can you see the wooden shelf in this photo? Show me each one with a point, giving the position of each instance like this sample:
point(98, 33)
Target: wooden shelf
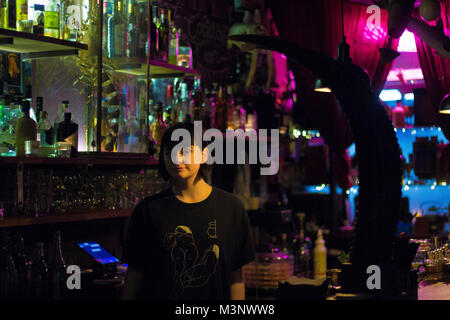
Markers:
point(79, 161)
point(63, 217)
point(37, 46)
point(158, 69)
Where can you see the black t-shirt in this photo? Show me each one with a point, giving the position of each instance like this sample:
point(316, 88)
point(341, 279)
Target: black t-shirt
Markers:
point(188, 250)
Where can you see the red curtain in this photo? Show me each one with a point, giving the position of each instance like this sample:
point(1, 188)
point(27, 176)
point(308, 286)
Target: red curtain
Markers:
point(364, 37)
point(436, 70)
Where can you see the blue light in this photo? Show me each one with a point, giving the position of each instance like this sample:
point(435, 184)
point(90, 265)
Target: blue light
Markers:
point(390, 95)
point(409, 96)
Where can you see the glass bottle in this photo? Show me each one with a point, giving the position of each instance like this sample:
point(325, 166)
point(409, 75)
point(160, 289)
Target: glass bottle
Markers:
point(221, 112)
point(142, 31)
point(39, 277)
point(67, 131)
point(57, 268)
point(163, 38)
point(173, 39)
point(4, 14)
point(62, 108)
point(302, 259)
point(23, 266)
point(39, 14)
point(51, 21)
point(26, 129)
point(158, 126)
point(12, 14)
point(8, 270)
point(44, 129)
point(22, 14)
point(132, 31)
point(116, 32)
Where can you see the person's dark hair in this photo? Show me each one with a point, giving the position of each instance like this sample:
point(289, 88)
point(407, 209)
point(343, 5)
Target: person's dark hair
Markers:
point(167, 145)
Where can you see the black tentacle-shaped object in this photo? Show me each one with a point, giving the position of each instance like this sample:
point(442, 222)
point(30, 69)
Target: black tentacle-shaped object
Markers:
point(377, 149)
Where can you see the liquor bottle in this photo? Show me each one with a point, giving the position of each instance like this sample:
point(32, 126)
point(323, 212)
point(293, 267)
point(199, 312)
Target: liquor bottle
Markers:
point(284, 248)
point(26, 129)
point(221, 112)
point(67, 131)
point(39, 277)
point(184, 57)
point(4, 14)
point(132, 31)
point(22, 265)
point(232, 116)
point(197, 99)
point(44, 129)
point(57, 268)
point(12, 14)
point(154, 33)
point(39, 21)
point(142, 32)
point(173, 39)
point(302, 258)
point(163, 38)
point(51, 21)
point(116, 33)
point(8, 270)
point(22, 14)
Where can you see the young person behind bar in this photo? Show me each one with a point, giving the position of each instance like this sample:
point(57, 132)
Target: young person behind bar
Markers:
point(189, 241)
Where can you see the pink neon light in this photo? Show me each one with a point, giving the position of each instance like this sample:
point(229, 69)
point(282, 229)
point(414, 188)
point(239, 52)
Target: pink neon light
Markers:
point(373, 32)
point(407, 43)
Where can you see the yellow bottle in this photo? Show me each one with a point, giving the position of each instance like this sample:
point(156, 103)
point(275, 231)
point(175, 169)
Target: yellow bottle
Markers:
point(26, 129)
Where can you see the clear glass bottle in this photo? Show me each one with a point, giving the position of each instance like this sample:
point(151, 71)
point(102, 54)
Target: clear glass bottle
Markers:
point(163, 37)
point(57, 268)
point(44, 129)
point(4, 14)
point(132, 31)
point(22, 15)
point(26, 129)
point(51, 21)
point(39, 277)
point(173, 39)
point(116, 32)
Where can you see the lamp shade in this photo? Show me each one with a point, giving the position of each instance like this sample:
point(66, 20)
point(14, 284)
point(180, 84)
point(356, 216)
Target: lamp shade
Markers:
point(444, 106)
point(321, 87)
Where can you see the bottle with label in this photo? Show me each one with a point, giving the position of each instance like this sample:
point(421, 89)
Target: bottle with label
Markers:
point(57, 268)
point(39, 14)
point(26, 129)
point(320, 257)
point(173, 39)
point(22, 14)
point(51, 21)
point(39, 278)
point(116, 32)
point(67, 131)
point(4, 14)
point(8, 270)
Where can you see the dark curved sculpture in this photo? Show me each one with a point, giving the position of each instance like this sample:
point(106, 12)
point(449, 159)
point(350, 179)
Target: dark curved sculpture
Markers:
point(380, 171)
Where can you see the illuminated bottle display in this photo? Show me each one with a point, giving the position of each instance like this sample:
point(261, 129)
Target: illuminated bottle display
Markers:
point(26, 129)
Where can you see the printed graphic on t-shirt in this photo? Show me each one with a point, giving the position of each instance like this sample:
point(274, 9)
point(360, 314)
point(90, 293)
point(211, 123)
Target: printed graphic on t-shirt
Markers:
point(191, 268)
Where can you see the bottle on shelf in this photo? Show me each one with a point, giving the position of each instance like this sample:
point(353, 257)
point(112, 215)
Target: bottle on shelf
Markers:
point(12, 14)
point(173, 39)
point(184, 57)
point(8, 270)
point(67, 27)
point(57, 268)
point(116, 32)
point(163, 37)
point(23, 266)
point(320, 257)
point(26, 129)
point(67, 131)
point(158, 126)
point(39, 276)
point(4, 14)
point(302, 259)
point(154, 35)
point(44, 129)
point(51, 21)
point(142, 31)
point(221, 111)
point(132, 44)
point(22, 16)
point(39, 20)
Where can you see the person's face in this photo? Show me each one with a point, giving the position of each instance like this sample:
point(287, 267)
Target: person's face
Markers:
point(185, 166)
